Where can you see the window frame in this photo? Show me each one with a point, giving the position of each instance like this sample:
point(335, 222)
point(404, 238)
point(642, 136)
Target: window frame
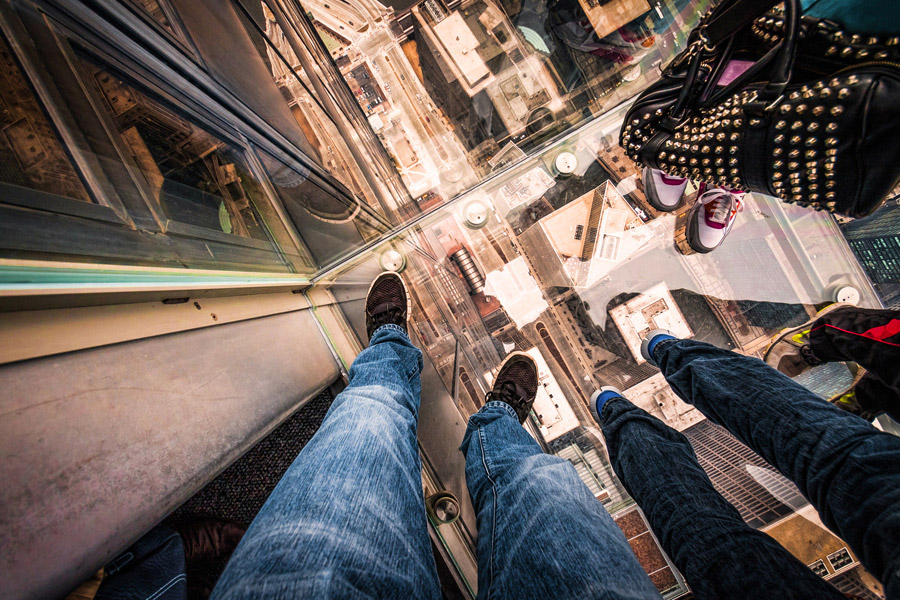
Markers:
point(107, 205)
point(838, 555)
point(179, 36)
point(816, 565)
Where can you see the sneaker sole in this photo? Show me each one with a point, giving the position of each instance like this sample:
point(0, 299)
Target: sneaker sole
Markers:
point(857, 372)
point(780, 336)
point(593, 403)
point(691, 226)
point(515, 353)
point(405, 292)
point(645, 344)
point(512, 355)
point(650, 186)
point(690, 231)
point(791, 330)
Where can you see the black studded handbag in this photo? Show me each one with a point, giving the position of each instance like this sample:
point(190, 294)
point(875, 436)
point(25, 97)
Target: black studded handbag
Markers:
point(812, 117)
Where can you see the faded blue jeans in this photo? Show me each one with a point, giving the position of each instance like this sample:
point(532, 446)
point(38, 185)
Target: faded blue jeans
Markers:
point(541, 532)
point(347, 520)
point(848, 470)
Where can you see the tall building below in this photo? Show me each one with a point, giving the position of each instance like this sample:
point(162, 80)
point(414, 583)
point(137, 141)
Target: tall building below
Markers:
point(761, 494)
point(876, 242)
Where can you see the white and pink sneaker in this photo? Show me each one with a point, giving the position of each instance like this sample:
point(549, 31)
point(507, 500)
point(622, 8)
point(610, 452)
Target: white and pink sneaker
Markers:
point(712, 217)
point(663, 192)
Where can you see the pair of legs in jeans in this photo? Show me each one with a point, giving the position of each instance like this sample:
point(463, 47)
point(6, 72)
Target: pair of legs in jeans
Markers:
point(348, 519)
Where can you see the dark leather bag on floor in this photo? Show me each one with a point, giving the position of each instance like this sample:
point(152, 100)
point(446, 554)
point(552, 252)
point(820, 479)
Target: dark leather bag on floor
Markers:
point(814, 120)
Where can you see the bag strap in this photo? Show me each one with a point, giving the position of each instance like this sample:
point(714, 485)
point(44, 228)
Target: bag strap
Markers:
point(732, 16)
point(682, 104)
point(782, 63)
point(720, 30)
point(727, 20)
point(778, 63)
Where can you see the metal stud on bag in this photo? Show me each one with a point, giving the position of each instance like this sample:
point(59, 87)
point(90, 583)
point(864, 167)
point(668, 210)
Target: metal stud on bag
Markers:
point(803, 137)
point(824, 38)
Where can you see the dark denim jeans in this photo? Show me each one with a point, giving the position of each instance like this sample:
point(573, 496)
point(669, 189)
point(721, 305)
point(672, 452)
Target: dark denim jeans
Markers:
point(848, 470)
point(347, 520)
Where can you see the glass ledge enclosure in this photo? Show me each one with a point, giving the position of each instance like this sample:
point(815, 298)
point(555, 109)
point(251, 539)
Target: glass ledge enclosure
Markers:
point(574, 268)
point(471, 145)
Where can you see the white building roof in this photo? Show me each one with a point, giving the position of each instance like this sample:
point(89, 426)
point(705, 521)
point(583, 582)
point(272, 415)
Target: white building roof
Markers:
point(653, 309)
point(461, 45)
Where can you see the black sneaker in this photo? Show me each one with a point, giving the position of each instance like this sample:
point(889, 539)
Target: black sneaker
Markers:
point(387, 302)
point(516, 383)
point(790, 352)
point(850, 403)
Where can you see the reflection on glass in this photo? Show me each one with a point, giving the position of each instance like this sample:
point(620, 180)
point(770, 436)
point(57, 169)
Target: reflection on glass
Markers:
point(194, 177)
point(294, 185)
point(30, 152)
point(458, 90)
point(330, 225)
point(327, 146)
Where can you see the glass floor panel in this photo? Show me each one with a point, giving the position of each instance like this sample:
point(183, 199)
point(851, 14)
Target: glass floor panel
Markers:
point(456, 91)
point(574, 269)
point(529, 230)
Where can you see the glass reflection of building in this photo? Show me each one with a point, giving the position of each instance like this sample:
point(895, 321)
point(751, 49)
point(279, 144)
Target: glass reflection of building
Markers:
point(197, 194)
point(876, 242)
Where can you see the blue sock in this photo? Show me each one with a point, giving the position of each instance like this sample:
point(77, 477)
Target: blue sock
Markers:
point(657, 339)
point(601, 397)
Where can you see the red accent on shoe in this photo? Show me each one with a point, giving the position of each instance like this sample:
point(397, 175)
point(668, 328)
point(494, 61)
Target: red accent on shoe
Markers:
point(715, 221)
point(885, 331)
point(669, 180)
point(866, 335)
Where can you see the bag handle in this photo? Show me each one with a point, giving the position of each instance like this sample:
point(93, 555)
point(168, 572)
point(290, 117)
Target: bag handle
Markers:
point(716, 33)
point(698, 42)
point(736, 16)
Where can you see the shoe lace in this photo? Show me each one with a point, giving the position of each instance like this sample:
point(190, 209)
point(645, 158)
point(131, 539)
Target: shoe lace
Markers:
point(506, 391)
point(718, 205)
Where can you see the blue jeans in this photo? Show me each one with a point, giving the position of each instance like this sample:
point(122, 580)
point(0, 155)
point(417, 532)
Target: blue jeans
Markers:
point(347, 520)
point(848, 470)
point(541, 532)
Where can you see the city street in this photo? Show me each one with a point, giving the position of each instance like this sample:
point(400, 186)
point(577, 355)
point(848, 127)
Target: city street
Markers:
point(443, 163)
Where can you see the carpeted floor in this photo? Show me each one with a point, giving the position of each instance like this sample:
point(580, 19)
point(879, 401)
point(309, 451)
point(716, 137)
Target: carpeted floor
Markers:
point(239, 491)
point(237, 494)
point(230, 501)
